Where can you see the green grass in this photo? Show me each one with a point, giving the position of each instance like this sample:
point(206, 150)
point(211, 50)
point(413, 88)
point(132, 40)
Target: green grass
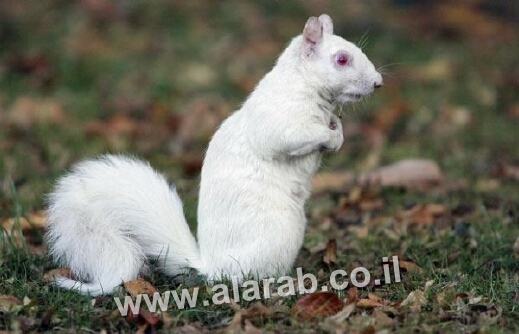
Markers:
point(138, 60)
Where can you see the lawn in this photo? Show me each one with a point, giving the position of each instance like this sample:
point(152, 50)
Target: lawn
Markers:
point(154, 79)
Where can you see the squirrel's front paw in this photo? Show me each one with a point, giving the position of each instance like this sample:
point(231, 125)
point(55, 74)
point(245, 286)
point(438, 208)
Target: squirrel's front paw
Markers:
point(336, 136)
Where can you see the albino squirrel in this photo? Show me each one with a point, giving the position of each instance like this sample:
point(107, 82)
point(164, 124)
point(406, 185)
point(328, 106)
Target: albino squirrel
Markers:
point(109, 215)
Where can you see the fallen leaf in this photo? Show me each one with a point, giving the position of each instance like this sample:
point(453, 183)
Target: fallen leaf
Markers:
point(507, 171)
point(141, 329)
point(368, 303)
point(374, 297)
point(35, 220)
point(249, 328)
point(388, 116)
point(118, 125)
point(343, 314)
point(331, 181)
point(513, 111)
point(150, 318)
point(144, 319)
point(411, 173)
point(489, 314)
point(446, 297)
point(367, 205)
point(422, 214)
point(360, 232)
point(191, 163)
point(382, 320)
point(330, 253)
point(8, 303)
point(27, 112)
point(241, 319)
point(428, 285)
point(50, 276)
point(139, 287)
point(372, 301)
point(317, 305)
point(352, 295)
point(26, 301)
point(409, 266)
point(363, 198)
point(415, 300)
point(469, 21)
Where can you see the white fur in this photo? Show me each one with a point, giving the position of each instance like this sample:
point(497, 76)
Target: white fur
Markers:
point(109, 215)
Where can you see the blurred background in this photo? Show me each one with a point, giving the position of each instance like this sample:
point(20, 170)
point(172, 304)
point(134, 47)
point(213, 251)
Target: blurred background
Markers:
point(79, 78)
point(155, 78)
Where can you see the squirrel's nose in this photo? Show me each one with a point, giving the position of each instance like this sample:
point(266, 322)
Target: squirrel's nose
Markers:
point(379, 82)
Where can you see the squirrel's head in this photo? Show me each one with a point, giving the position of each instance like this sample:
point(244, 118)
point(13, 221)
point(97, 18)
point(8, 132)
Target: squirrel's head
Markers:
point(339, 66)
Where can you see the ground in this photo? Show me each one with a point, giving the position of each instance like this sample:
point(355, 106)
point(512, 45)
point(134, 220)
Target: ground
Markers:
point(155, 78)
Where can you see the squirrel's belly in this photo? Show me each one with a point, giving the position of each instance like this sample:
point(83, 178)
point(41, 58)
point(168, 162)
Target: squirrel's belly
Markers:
point(249, 226)
point(251, 219)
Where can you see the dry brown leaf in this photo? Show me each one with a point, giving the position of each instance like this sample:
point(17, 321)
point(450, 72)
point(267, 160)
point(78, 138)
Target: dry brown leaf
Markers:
point(151, 318)
point(507, 171)
point(7, 303)
point(35, 220)
point(409, 266)
point(27, 112)
point(352, 295)
point(317, 305)
point(343, 314)
point(387, 116)
point(382, 320)
point(191, 163)
point(410, 173)
point(470, 21)
point(368, 303)
point(422, 214)
point(117, 125)
point(371, 204)
point(372, 301)
point(50, 276)
point(513, 111)
point(446, 297)
point(139, 287)
point(360, 232)
point(415, 300)
point(249, 328)
point(331, 181)
point(330, 253)
point(376, 298)
point(241, 319)
point(144, 319)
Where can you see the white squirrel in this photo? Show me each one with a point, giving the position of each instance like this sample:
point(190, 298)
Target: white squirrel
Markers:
point(108, 216)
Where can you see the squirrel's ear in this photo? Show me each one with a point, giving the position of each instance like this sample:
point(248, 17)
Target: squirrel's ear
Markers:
point(312, 35)
point(327, 23)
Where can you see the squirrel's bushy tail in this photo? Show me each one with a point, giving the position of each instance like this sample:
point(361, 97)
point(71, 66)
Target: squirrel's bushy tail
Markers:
point(108, 216)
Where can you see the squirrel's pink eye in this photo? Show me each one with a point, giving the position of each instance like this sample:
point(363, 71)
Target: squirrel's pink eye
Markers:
point(342, 59)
